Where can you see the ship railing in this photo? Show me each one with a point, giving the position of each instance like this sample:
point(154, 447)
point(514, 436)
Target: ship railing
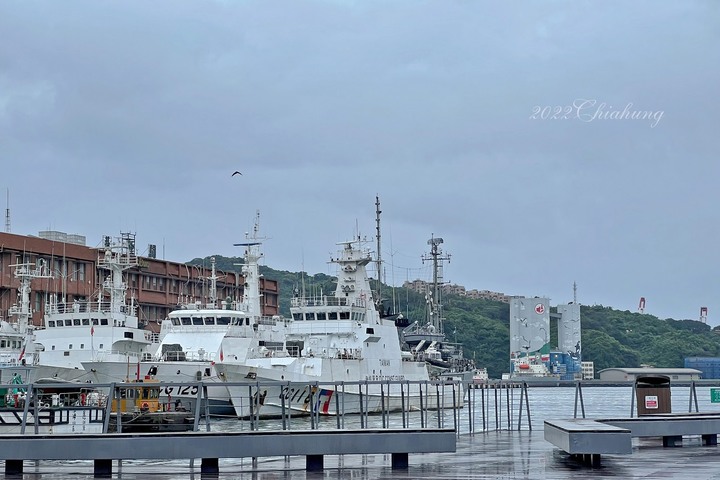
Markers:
point(199, 328)
point(152, 337)
point(319, 301)
point(107, 355)
point(269, 320)
point(87, 307)
point(198, 355)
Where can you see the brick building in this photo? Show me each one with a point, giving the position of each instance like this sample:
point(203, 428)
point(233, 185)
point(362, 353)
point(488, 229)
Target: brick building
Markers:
point(156, 285)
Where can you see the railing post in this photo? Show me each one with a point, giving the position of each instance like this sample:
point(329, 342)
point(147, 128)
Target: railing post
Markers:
point(422, 410)
point(283, 394)
point(312, 409)
point(483, 389)
point(509, 409)
point(440, 417)
point(198, 406)
point(497, 420)
point(382, 404)
point(520, 409)
point(402, 403)
point(527, 405)
point(337, 406)
point(362, 417)
point(251, 407)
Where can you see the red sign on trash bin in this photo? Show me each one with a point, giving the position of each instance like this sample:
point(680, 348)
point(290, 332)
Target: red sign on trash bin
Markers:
point(651, 401)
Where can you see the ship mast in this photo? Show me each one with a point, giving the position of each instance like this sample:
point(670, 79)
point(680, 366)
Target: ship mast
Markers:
point(213, 284)
point(378, 261)
point(25, 273)
point(435, 303)
point(250, 269)
point(116, 257)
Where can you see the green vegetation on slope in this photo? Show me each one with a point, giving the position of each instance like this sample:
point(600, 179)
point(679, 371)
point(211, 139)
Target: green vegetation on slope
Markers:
point(610, 338)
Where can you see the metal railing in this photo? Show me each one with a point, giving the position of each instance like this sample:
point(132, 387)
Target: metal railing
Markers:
point(467, 408)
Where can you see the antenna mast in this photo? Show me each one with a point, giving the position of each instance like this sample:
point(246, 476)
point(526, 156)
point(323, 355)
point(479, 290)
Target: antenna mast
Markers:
point(379, 258)
point(574, 292)
point(436, 255)
point(7, 212)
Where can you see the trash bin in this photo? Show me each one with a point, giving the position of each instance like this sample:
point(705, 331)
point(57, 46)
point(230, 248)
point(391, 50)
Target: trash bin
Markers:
point(653, 394)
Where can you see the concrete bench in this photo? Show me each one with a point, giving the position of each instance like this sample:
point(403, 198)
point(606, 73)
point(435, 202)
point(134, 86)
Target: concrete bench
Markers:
point(588, 439)
point(672, 426)
point(211, 446)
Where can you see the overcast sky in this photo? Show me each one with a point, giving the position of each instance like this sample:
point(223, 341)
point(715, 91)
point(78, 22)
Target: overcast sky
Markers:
point(133, 116)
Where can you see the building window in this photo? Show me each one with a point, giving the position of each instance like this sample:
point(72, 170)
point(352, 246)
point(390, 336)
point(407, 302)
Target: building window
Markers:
point(81, 271)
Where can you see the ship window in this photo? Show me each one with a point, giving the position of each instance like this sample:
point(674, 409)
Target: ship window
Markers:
point(361, 317)
point(297, 316)
point(52, 348)
point(370, 330)
point(209, 320)
point(3, 344)
point(70, 347)
point(76, 321)
point(309, 316)
point(86, 321)
point(51, 323)
point(68, 323)
point(197, 320)
point(223, 320)
point(82, 346)
point(186, 321)
point(66, 353)
point(321, 316)
point(332, 316)
point(103, 321)
point(94, 321)
point(101, 346)
point(176, 321)
point(344, 315)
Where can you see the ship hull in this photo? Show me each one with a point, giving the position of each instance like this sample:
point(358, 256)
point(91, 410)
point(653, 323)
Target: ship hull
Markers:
point(181, 378)
point(270, 396)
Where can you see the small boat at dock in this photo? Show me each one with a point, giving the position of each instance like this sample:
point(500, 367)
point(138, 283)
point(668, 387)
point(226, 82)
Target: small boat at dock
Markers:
point(138, 408)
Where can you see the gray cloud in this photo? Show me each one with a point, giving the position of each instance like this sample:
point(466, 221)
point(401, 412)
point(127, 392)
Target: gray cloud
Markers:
point(133, 115)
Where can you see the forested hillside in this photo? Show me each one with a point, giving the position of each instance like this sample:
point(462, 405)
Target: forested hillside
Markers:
point(610, 338)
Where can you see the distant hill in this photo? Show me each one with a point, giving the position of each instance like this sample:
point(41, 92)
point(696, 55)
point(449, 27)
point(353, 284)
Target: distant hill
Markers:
point(610, 338)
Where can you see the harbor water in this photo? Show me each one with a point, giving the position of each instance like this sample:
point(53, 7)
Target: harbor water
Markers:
point(497, 450)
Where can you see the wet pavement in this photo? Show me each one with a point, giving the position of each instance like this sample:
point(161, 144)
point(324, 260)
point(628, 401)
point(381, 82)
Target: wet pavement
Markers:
point(495, 454)
point(508, 455)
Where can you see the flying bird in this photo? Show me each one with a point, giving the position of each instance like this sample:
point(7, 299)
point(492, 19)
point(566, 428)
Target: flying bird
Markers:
point(236, 173)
